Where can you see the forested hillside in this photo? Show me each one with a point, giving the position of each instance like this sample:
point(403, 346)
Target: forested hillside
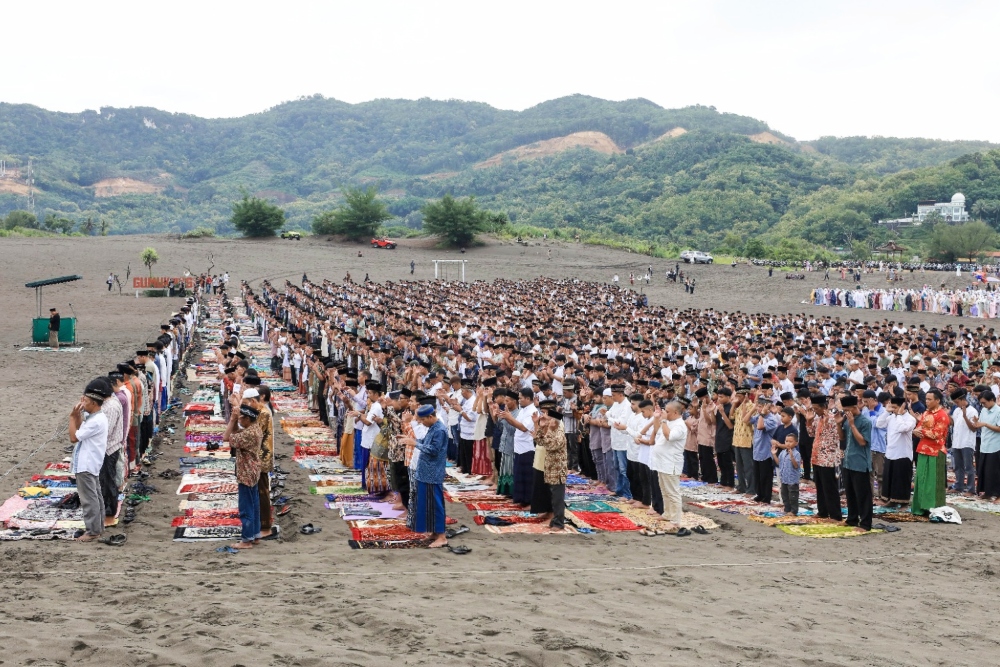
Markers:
point(690, 176)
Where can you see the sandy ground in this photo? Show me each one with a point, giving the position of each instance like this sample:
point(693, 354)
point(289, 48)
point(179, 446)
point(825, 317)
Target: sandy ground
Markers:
point(743, 595)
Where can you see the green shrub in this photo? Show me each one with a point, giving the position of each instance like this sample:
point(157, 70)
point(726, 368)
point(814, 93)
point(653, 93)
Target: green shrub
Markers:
point(199, 233)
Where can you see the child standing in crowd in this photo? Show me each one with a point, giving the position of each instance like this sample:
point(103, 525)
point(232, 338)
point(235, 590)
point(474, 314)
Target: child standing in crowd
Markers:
point(789, 462)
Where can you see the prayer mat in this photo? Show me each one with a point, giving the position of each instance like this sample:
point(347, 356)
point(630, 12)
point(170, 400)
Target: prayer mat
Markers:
point(15, 535)
point(825, 530)
point(381, 510)
point(361, 498)
point(193, 534)
point(394, 533)
point(608, 521)
point(590, 506)
point(783, 520)
point(480, 519)
point(490, 506)
point(12, 506)
point(388, 544)
point(973, 504)
point(49, 349)
point(692, 520)
point(530, 529)
point(220, 487)
point(745, 509)
point(338, 491)
point(901, 517)
point(204, 522)
point(209, 505)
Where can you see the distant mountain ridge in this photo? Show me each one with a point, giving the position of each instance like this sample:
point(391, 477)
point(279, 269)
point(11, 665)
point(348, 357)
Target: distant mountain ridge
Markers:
point(148, 170)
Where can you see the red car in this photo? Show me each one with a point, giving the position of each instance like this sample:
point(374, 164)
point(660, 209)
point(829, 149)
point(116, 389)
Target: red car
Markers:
point(384, 243)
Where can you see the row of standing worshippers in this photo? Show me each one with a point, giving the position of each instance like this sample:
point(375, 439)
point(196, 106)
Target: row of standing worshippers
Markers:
point(980, 303)
point(112, 425)
point(728, 366)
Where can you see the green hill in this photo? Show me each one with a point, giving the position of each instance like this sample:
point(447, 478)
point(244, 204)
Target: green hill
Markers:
point(690, 176)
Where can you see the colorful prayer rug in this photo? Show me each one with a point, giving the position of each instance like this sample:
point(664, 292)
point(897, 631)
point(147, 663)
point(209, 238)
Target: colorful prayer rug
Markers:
point(825, 530)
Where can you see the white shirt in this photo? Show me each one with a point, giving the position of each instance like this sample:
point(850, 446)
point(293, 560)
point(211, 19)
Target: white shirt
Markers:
point(898, 434)
point(92, 441)
point(557, 378)
point(667, 453)
point(466, 427)
point(619, 413)
point(453, 415)
point(963, 437)
point(369, 431)
point(635, 423)
point(524, 441)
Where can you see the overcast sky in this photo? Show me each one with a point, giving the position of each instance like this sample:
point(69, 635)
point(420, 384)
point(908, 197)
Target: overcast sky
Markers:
point(807, 67)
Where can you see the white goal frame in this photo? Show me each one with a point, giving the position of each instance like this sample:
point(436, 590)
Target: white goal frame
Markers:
point(438, 266)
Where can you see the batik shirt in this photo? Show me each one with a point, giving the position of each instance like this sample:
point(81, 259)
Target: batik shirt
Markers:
point(264, 421)
point(826, 441)
point(742, 430)
point(391, 430)
point(553, 441)
point(247, 444)
point(935, 432)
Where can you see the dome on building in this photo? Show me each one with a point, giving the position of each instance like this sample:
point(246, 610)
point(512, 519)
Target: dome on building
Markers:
point(958, 198)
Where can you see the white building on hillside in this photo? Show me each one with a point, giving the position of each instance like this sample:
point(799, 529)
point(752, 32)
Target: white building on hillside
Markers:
point(953, 211)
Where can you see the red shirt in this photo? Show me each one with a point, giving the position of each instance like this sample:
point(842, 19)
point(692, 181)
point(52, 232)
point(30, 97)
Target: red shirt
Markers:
point(934, 426)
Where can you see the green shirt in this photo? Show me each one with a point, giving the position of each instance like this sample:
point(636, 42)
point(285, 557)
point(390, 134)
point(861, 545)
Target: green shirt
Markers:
point(858, 457)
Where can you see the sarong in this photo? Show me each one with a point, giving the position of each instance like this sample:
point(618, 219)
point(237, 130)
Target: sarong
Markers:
point(376, 477)
point(481, 459)
point(930, 483)
point(358, 463)
point(523, 478)
point(988, 474)
point(897, 478)
point(347, 449)
point(505, 482)
point(429, 516)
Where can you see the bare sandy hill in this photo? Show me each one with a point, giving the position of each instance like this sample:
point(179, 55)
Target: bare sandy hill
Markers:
point(596, 141)
point(669, 134)
point(768, 138)
point(11, 186)
point(115, 187)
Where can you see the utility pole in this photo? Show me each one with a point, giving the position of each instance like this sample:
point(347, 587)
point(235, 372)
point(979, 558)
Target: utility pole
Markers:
point(31, 188)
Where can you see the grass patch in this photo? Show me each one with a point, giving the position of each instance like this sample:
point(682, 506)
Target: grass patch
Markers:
point(23, 232)
point(199, 233)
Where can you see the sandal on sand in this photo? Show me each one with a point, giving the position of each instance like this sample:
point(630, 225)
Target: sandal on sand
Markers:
point(309, 529)
point(228, 550)
point(652, 532)
point(682, 532)
point(459, 550)
point(114, 540)
point(284, 510)
point(454, 532)
point(701, 530)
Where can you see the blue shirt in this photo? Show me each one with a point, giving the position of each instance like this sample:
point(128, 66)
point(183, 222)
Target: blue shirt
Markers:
point(990, 439)
point(787, 474)
point(433, 455)
point(878, 434)
point(762, 438)
point(754, 375)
